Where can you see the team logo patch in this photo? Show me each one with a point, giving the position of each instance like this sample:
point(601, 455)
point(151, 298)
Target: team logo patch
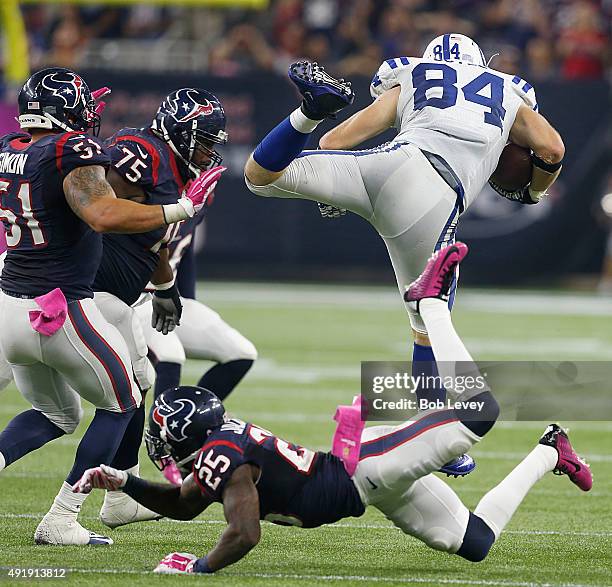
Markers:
point(65, 85)
point(187, 108)
point(173, 419)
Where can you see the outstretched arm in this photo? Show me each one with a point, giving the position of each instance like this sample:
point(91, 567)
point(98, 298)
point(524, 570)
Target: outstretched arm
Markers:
point(365, 124)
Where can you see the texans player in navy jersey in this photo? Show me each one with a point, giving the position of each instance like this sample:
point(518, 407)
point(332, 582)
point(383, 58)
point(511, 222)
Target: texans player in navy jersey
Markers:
point(55, 200)
point(152, 165)
point(258, 476)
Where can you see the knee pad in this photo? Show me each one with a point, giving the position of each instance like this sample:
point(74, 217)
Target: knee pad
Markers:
point(477, 541)
point(480, 421)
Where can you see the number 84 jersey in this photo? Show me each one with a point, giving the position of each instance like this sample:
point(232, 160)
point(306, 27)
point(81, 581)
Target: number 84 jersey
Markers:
point(296, 486)
point(459, 111)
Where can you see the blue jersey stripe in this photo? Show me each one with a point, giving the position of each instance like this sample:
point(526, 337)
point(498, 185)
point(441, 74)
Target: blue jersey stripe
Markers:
point(391, 63)
point(404, 60)
point(383, 444)
point(376, 81)
point(516, 79)
point(526, 87)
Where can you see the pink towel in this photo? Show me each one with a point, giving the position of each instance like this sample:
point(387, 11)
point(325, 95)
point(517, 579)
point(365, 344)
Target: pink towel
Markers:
point(346, 443)
point(52, 314)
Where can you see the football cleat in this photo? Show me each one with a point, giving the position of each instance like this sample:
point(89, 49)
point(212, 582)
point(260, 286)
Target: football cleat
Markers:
point(65, 530)
point(324, 95)
point(460, 467)
point(120, 509)
point(437, 277)
point(568, 463)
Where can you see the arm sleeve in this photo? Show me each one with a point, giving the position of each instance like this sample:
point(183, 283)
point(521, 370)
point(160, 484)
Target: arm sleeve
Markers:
point(186, 274)
point(215, 464)
point(79, 150)
point(525, 91)
point(386, 77)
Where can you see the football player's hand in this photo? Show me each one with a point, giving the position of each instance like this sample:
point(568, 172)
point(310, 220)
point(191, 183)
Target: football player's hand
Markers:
point(97, 95)
point(102, 477)
point(199, 193)
point(167, 310)
point(176, 563)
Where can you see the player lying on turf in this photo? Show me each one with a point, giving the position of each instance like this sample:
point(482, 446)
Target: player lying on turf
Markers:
point(257, 476)
point(453, 116)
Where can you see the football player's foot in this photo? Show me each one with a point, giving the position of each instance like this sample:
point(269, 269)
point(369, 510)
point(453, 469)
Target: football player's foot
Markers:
point(171, 472)
point(120, 509)
point(437, 277)
point(324, 95)
point(65, 530)
point(568, 463)
point(459, 467)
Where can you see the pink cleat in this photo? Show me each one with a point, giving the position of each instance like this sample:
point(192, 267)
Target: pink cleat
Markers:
point(569, 462)
point(346, 443)
point(171, 472)
point(437, 277)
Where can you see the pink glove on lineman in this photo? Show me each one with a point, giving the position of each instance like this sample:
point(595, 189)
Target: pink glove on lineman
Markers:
point(176, 563)
point(102, 477)
point(197, 196)
point(97, 95)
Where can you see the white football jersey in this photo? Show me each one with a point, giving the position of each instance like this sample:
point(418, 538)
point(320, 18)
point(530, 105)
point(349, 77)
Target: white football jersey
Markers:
point(460, 111)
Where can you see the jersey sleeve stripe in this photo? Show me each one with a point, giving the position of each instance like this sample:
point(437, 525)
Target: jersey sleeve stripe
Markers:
point(376, 81)
point(59, 148)
point(148, 146)
point(404, 60)
point(526, 87)
point(391, 63)
point(517, 80)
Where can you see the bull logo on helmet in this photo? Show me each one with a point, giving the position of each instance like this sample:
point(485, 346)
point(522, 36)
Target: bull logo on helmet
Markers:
point(65, 85)
point(173, 419)
point(187, 108)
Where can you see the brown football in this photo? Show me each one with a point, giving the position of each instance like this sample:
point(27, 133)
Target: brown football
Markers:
point(513, 170)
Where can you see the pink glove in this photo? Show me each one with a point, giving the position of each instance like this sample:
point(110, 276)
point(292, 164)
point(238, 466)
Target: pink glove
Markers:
point(176, 563)
point(200, 190)
point(97, 95)
point(102, 477)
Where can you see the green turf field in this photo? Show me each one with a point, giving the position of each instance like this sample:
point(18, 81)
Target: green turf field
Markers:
point(311, 341)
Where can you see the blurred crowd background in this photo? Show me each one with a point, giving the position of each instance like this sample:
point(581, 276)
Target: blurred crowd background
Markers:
point(538, 39)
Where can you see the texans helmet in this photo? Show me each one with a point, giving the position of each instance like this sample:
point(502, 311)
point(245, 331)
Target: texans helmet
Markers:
point(180, 420)
point(191, 121)
point(57, 99)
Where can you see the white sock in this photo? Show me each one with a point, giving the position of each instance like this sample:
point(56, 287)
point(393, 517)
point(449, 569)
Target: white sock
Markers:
point(67, 502)
point(445, 342)
point(300, 122)
point(2, 461)
point(498, 506)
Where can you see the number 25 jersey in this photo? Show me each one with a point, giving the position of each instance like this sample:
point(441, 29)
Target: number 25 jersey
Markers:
point(49, 246)
point(296, 486)
point(459, 111)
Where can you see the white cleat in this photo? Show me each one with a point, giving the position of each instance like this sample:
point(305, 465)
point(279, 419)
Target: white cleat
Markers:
point(120, 509)
point(65, 530)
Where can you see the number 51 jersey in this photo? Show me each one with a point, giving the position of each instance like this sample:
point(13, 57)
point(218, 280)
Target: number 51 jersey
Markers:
point(49, 246)
point(459, 111)
point(296, 486)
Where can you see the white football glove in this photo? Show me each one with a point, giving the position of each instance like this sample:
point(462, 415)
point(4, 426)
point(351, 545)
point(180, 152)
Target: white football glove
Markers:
point(102, 477)
point(176, 563)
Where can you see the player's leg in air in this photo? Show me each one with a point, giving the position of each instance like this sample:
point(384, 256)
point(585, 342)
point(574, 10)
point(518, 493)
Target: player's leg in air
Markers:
point(396, 462)
point(386, 186)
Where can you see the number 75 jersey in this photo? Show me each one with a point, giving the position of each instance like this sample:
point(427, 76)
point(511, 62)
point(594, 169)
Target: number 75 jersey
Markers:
point(296, 486)
point(459, 111)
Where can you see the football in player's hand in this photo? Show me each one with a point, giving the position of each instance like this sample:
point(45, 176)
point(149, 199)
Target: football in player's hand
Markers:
point(513, 170)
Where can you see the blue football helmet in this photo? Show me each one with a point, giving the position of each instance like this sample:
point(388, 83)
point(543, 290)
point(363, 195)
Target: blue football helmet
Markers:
point(180, 420)
point(191, 121)
point(57, 99)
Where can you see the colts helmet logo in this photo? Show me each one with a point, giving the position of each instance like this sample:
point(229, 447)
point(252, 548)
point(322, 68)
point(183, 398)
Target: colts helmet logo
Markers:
point(188, 108)
point(174, 418)
point(66, 85)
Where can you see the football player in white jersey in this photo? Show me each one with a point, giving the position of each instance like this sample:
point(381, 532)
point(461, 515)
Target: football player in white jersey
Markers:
point(453, 116)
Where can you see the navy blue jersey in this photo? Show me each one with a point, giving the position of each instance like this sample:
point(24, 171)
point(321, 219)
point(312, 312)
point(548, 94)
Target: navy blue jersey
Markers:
point(182, 256)
point(49, 246)
point(296, 486)
point(128, 260)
